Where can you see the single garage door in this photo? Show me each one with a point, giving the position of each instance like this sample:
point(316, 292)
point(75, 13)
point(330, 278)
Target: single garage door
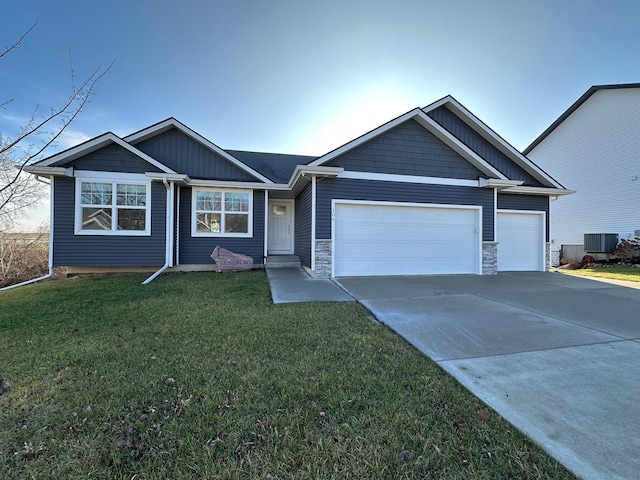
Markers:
point(391, 239)
point(520, 237)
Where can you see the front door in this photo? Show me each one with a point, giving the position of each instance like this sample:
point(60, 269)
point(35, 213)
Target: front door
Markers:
point(280, 227)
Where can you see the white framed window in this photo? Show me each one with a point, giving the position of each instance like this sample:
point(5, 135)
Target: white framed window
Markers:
point(221, 213)
point(111, 204)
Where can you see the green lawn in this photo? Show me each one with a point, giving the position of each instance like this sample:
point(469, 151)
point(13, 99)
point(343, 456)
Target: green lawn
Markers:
point(200, 376)
point(631, 274)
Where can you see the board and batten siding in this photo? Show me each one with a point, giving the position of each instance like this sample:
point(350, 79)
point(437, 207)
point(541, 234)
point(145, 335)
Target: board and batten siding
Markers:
point(476, 142)
point(70, 250)
point(373, 190)
point(526, 202)
point(184, 155)
point(596, 152)
point(408, 149)
point(111, 158)
point(302, 243)
point(197, 250)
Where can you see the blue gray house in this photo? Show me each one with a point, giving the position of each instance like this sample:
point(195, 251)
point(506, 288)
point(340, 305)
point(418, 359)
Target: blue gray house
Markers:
point(433, 191)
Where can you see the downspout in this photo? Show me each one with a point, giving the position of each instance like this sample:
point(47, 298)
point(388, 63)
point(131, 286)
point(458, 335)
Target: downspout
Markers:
point(50, 274)
point(313, 224)
point(266, 227)
point(169, 235)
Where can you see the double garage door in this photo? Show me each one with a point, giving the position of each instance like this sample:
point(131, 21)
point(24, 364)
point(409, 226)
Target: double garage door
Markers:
point(386, 239)
point(416, 239)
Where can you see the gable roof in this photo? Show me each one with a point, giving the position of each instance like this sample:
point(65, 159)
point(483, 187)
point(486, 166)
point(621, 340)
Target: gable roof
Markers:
point(171, 122)
point(577, 104)
point(492, 137)
point(427, 122)
point(96, 144)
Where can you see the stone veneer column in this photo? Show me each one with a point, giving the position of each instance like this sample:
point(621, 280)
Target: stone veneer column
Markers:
point(323, 259)
point(489, 258)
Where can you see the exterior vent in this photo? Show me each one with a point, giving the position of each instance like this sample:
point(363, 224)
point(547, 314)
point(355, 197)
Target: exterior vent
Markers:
point(600, 242)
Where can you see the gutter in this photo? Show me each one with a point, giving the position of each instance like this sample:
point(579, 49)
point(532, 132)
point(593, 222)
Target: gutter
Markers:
point(169, 232)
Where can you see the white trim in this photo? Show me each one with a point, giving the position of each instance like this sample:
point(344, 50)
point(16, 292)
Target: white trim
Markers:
point(266, 225)
point(494, 138)
point(495, 214)
point(114, 179)
point(428, 123)
point(539, 191)
point(51, 225)
point(543, 240)
point(170, 223)
point(478, 232)
point(96, 144)
point(498, 183)
point(172, 122)
point(390, 177)
point(313, 224)
point(49, 171)
point(195, 233)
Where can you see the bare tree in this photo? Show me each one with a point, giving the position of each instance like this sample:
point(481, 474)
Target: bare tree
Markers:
point(18, 190)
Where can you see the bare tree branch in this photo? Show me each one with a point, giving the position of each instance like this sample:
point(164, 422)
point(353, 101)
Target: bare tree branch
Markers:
point(18, 190)
point(8, 50)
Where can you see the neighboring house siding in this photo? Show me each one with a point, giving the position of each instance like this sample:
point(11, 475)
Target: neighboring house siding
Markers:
point(408, 149)
point(481, 146)
point(197, 250)
point(525, 202)
point(105, 250)
point(348, 189)
point(596, 152)
point(303, 226)
point(184, 155)
point(112, 158)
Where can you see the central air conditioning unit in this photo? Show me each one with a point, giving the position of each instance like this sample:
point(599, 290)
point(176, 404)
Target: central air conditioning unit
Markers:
point(600, 242)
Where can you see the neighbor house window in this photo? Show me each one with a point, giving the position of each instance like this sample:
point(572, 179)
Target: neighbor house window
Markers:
point(112, 208)
point(221, 213)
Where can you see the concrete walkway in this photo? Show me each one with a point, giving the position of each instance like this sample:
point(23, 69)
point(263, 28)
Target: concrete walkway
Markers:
point(557, 356)
point(292, 284)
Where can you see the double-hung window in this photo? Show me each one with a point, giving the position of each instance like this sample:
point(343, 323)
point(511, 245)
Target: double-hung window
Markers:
point(105, 207)
point(222, 213)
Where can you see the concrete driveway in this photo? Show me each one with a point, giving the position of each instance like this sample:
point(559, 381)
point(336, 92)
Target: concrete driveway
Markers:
point(557, 356)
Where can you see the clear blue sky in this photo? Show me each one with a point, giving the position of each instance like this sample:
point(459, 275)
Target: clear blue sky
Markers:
point(304, 77)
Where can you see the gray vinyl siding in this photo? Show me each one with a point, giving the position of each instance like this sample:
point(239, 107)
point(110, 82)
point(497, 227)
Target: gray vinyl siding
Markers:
point(303, 226)
point(349, 189)
point(481, 146)
point(408, 149)
point(72, 250)
point(112, 158)
point(525, 202)
point(197, 250)
point(184, 155)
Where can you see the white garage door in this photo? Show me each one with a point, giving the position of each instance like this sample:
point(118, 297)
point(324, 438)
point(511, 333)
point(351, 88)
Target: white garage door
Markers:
point(384, 239)
point(520, 237)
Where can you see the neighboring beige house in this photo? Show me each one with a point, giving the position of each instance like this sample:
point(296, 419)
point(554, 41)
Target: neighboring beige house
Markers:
point(594, 149)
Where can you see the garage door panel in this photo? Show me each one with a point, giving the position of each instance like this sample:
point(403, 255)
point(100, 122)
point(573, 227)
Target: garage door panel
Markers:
point(398, 240)
point(520, 241)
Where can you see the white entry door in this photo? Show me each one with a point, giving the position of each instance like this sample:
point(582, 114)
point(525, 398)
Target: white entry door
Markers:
point(280, 227)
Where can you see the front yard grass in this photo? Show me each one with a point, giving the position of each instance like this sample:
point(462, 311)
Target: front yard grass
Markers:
point(201, 376)
point(631, 274)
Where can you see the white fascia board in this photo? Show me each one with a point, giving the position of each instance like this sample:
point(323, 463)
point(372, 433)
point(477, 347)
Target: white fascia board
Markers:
point(172, 122)
point(539, 191)
point(495, 139)
point(308, 170)
point(177, 178)
point(96, 144)
point(49, 171)
point(499, 183)
point(242, 185)
point(387, 177)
